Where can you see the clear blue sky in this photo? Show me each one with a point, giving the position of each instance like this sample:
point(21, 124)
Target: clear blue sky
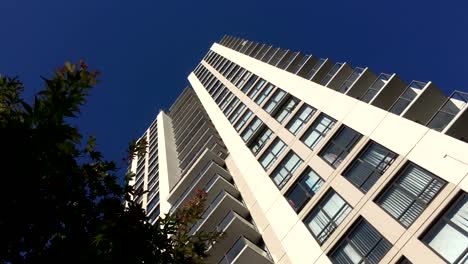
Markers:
point(146, 48)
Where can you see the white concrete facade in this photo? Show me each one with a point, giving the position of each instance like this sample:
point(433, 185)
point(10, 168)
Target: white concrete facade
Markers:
point(284, 233)
point(288, 238)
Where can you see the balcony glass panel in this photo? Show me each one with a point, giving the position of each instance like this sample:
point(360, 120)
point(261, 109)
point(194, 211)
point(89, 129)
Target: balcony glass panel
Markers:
point(351, 79)
point(454, 104)
point(375, 88)
point(407, 97)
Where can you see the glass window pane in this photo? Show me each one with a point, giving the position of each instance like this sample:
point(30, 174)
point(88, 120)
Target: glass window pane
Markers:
point(286, 169)
point(260, 141)
point(411, 192)
point(286, 109)
point(272, 153)
point(317, 131)
point(362, 245)
point(251, 129)
point(449, 237)
point(273, 102)
point(303, 189)
point(300, 119)
point(264, 94)
point(370, 164)
point(256, 88)
point(339, 146)
point(327, 215)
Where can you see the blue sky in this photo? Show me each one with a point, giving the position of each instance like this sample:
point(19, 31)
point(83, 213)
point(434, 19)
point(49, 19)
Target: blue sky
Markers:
point(146, 49)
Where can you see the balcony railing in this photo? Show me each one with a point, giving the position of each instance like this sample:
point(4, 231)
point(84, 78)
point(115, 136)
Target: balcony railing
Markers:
point(351, 80)
point(192, 185)
point(375, 88)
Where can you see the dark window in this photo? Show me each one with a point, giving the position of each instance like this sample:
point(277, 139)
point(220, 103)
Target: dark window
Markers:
point(274, 101)
point(449, 235)
point(286, 169)
point(410, 193)
point(367, 168)
point(252, 93)
point(236, 112)
point(264, 94)
point(260, 141)
point(249, 84)
point(251, 129)
point(299, 120)
point(318, 130)
point(244, 118)
point(362, 245)
point(286, 109)
point(326, 216)
point(272, 153)
point(303, 189)
point(339, 146)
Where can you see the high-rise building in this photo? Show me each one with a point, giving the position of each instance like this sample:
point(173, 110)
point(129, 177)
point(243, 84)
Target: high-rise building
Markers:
point(309, 161)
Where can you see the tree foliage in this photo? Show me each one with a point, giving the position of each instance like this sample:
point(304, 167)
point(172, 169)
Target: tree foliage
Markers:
point(61, 199)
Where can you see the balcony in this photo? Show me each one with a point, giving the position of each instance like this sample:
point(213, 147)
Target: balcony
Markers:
point(452, 117)
point(297, 62)
point(262, 52)
point(405, 99)
point(232, 226)
point(337, 75)
point(320, 69)
point(201, 164)
point(214, 178)
point(423, 106)
point(306, 66)
point(287, 59)
point(244, 251)
point(384, 91)
point(266, 58)
point(220, 207)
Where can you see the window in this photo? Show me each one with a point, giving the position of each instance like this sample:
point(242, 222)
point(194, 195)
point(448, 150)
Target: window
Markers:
point(231, 106)
point(226, 100)
point(286, 169)
point(256, 88)
point(411, 192)
point(286, 109)
point(259, 142)
point(236, 112)
point(449, 236)
point(272, 153)
point(274, 101)
point(339, 146)
point(238, 75)
point(221, 95)
point(300, 119)
point(362, 245)
point(303, 189)
point(251, 129)
point(318, 131)
point(326, 216)
point(367, 168)
point(249, 84)
point(243, 79)
point(241, 122)
point(264, 94)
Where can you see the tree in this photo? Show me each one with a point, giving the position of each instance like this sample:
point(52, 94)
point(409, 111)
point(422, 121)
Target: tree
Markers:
point(61, 199)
